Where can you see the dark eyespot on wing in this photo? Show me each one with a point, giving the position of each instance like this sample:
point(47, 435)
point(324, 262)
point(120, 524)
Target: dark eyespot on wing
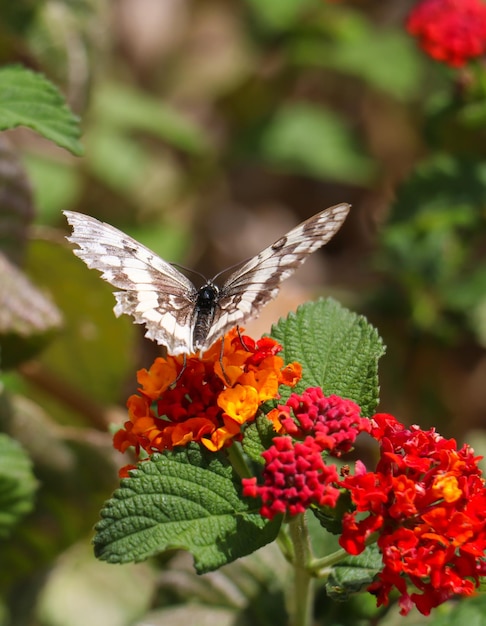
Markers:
point(279, 244)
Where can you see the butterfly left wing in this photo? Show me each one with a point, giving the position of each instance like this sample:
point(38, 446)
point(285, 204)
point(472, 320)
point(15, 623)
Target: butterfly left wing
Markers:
point(154, 292)
point(258, 281)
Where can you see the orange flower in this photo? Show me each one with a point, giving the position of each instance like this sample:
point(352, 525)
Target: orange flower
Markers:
point(159, 378)
point(209, 400)
point(240, 402)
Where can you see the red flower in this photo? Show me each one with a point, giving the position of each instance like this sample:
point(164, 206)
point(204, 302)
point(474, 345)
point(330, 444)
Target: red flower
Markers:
point(203, 401)
point(295, 476)
point(426, 503)
point(333, 421)
point(451, 31)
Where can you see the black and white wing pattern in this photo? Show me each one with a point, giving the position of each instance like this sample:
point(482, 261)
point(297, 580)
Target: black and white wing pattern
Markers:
point(258, 281)
point(154, 292)
point(174, 312)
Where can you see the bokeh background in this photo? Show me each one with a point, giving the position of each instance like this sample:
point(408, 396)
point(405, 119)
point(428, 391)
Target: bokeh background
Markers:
point(210, 128)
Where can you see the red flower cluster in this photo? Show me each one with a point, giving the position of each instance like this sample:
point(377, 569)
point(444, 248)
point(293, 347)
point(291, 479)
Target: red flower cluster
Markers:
point(295, 474)
point(295, 477)
point(202, 400)
point(333, 421)
point(452, 31)
point(426, 501)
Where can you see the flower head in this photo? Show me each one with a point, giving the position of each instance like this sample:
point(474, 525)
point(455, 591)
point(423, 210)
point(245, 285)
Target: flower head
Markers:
point(333, 421)
point(207, 399)
point(451, 31)
point(295, 476)
point(426, 502)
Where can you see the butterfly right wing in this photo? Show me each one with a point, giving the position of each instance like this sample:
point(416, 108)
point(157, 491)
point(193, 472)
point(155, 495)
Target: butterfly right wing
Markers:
point(154, 292)
point(258, 281)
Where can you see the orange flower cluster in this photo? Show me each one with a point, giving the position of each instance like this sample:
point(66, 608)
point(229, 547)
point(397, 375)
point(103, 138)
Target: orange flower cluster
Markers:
point(209, 399)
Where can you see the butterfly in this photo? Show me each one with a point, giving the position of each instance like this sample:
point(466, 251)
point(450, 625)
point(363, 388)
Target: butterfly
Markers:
point(174, 311)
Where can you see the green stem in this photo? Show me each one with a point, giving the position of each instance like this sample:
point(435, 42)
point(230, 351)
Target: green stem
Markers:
point(322, 566)
point(237, 460)
point(301, 602)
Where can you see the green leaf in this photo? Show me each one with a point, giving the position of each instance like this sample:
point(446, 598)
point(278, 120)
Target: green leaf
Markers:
point(187, 499)
point(338, 350)
point(443, 192)
point(56, 185)
point(29, 99)
point(126, 108)
point(279, 15)
point(17, 484)
point(386, 59)
point(353, 573)
point(258, 437)
point(314, 141)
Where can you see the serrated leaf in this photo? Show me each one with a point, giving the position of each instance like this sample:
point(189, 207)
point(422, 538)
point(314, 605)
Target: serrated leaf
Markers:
point(258, 437)
point(17, 484)
point(338, 350)
point(186, 499)
point(353, 573)
point(29, 99)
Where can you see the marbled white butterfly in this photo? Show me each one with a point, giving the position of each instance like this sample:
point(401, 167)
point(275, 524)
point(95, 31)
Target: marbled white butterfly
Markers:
point(176, 314)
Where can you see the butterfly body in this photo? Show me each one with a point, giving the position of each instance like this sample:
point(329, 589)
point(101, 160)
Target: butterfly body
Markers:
point(204, 312)
point(177, 314)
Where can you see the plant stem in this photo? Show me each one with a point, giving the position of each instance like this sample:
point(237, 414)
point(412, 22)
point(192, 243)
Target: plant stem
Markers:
point(238, 462)
point(301, 602)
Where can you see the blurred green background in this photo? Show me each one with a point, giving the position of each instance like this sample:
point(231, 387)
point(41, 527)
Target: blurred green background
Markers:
point(209, 129)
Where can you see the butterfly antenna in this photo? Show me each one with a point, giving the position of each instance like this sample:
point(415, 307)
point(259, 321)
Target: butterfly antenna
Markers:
point(188, 270)
point(230, 268)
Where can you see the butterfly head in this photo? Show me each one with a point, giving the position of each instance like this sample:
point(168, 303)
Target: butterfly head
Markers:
point(207, 297)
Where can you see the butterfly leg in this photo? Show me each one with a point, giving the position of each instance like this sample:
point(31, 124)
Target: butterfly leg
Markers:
point(184, 365)
point(221, 352)
point(240, 337)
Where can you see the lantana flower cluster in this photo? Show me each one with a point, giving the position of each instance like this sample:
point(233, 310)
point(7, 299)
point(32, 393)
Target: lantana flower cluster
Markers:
point(451, 31)
point(296, 475)
point(206, 399)
point(423, 505)
point(426, 503)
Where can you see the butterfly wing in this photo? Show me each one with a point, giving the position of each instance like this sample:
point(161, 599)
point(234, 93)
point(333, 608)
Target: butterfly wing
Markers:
point(154, 292)
point(258, 281)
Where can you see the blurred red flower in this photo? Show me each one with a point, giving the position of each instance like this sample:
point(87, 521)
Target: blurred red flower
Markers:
point(451, 31)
